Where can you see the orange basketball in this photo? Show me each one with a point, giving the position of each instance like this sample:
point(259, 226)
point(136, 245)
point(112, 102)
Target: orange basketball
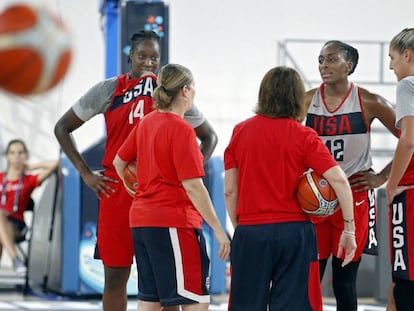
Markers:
point(130, 178)
point(35, 50)
point(315, 195)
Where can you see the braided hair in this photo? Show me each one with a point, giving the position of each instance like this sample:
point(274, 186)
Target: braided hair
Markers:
point(141, 36)
point(350, 53)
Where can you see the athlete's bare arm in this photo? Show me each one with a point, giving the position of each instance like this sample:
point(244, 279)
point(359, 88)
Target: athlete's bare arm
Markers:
point(208, 139)
point(63, 132)
point(375, 107)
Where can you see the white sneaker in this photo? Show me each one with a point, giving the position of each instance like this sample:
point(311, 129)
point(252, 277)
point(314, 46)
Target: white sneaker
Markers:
point(18, 266)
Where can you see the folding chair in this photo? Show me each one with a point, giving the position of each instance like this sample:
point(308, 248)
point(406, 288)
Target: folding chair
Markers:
point(22, 241)
point(26, 233)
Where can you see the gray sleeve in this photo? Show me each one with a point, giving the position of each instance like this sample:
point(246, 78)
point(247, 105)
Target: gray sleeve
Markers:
point(194, 117)
point(405, 100)
point(96, 100)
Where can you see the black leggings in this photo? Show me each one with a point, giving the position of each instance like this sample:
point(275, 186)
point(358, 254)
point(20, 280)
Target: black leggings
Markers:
point(403, 294)
point(343, 283)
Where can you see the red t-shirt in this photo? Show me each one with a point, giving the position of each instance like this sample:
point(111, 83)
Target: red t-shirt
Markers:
point(167, 152)
point(271, 155)
point(29, 183)
point(132, 100)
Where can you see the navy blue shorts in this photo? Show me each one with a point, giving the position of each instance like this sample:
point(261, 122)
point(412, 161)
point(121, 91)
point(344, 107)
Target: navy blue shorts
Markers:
point(403, 294)
point(173, 265)
point(275, 267)
point(19, 225)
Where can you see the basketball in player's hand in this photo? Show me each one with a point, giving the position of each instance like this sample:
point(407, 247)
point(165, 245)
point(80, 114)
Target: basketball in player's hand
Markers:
point(130, 178)
point(315, 195)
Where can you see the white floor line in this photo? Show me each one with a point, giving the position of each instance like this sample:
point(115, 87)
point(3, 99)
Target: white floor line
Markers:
point(90, 306)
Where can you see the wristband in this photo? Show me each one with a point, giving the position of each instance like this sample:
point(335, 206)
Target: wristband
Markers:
point(349, 221)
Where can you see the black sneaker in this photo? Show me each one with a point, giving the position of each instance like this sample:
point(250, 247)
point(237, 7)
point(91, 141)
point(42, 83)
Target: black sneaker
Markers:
point(18, 266)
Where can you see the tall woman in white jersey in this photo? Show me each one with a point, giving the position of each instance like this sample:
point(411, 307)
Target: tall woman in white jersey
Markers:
point(342, 113)
point(399, 190)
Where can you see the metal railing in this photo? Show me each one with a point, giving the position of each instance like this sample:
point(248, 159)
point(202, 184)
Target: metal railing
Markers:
point(287, 55)
point(371, 73)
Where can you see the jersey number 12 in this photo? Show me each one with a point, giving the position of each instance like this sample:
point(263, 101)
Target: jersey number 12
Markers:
point(336, 147)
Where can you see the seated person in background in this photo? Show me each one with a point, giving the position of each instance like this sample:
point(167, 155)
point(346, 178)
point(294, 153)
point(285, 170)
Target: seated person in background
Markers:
point(16, 186)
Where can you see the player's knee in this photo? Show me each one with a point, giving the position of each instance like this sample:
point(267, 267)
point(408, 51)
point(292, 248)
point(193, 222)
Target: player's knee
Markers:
point(116, 277)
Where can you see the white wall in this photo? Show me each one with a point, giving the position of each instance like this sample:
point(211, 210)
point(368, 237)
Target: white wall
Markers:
point(228, 44)
point(33, 118)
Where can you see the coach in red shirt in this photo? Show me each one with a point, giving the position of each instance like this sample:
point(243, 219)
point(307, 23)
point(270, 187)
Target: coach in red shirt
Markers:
point(170, 201)
point(274, 252)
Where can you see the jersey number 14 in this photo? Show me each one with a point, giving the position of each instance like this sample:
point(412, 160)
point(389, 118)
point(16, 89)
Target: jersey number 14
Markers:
point(137, 111)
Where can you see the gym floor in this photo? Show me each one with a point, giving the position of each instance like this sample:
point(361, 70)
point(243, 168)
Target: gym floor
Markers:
point(17, 302)
point(13, 299)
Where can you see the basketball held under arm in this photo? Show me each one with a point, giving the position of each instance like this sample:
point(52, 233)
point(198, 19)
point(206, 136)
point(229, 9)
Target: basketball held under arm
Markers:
point(339, 182)
point(119, 165)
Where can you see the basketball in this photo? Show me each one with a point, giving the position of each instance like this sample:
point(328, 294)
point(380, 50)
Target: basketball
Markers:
point(315, 195)
point(130, 178)
point(35, 50)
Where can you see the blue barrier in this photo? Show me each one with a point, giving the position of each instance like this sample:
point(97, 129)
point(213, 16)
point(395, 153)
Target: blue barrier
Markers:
point(215, 185)
point(83, 275)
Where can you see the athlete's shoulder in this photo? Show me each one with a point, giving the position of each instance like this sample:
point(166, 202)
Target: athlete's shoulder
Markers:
point(406, 84)
point(366, 94)
point(309, 95)
point(108, 84)
point(311, 92)
point(194, 116)
point(370, 98)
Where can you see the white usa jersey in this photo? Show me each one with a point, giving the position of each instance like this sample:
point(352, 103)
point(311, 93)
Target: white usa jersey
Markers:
point(344, 130)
